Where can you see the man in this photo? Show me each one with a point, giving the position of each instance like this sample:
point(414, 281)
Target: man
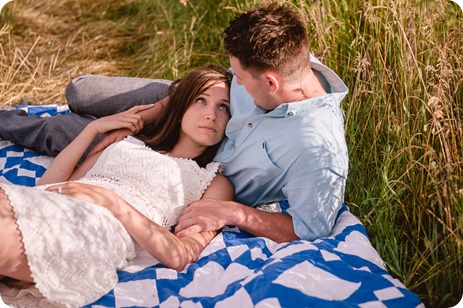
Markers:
point(285, 140)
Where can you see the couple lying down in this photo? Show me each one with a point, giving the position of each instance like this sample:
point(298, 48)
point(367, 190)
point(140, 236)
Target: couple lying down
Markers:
point(284, 140)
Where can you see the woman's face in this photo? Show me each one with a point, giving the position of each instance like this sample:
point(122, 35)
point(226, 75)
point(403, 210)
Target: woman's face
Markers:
point(205, 119)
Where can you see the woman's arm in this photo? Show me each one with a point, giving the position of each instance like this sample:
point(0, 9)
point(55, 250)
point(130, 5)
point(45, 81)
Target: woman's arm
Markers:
point(167, 248)
point(220, 189)
point(63, 166)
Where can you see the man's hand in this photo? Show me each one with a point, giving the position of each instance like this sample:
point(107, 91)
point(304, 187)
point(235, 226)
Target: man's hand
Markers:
point(129, 119)
point(204, 215)
point(119, 126)
point(210, 214)
point(110, 138)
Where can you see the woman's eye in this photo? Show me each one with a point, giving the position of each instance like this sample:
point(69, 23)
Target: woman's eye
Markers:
point(224, 108)
point(200, 100)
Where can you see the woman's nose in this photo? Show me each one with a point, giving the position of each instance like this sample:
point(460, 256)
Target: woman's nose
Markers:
point(210, 114)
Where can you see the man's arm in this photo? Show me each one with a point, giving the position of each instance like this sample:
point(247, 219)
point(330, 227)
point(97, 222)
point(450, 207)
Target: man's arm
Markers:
point(314, 200)
point(210, 214)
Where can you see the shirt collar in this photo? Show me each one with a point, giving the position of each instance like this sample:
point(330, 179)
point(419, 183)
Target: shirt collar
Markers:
point(336, 84)
point(337, 87)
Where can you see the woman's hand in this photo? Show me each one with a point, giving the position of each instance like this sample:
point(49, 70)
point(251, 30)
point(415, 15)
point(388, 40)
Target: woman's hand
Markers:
point(89, 193)
point(129, 119)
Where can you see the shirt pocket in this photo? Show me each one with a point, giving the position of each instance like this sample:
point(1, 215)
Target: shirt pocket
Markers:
point(269, 169)
point(253, 173)
point(257, 168)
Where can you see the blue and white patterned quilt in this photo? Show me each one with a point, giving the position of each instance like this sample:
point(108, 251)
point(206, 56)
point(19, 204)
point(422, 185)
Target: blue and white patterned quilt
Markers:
point(237, 270)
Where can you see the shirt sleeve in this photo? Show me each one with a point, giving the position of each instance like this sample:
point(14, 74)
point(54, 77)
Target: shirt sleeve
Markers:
point(315, 199)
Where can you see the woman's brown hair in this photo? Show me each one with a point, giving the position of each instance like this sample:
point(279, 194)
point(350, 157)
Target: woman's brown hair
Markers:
point(165, 133)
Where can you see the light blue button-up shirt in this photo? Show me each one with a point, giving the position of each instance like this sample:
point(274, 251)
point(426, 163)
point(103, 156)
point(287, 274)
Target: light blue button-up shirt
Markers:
point(295, 152)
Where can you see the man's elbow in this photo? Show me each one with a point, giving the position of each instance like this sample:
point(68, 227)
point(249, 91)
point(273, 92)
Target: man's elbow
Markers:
point(292, 237)
point(288, 237)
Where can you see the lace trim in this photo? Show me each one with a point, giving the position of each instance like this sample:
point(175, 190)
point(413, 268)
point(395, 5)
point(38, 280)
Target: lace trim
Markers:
point(16, 222)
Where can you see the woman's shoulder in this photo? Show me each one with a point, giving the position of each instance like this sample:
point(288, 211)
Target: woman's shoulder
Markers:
point(215, 167)
point(221, 188)
point(133, 140)
point(219, 178)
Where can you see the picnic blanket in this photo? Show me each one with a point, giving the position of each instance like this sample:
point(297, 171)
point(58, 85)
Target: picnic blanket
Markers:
point(238, 270)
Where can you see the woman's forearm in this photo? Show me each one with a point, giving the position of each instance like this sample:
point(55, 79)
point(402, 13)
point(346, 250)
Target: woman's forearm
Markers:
point(167, 248)
point(63, 165)
point(163, 245)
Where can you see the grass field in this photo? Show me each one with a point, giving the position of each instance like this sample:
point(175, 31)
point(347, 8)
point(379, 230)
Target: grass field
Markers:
point(401, 60)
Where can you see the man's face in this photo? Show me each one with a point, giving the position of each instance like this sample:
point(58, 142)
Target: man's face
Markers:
point(255, 85)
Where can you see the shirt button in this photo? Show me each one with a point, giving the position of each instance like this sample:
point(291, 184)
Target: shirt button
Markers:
point(290, 113)
point(250, 125)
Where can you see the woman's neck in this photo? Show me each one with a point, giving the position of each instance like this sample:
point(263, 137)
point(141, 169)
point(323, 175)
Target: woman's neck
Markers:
point(184, 151)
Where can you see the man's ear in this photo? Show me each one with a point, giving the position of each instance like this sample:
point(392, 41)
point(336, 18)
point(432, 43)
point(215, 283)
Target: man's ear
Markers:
point(273, 81)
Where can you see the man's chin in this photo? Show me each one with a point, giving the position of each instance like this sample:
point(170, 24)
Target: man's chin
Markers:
point(260, 106)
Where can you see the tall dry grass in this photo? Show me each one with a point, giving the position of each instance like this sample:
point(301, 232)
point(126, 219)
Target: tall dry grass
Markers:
point(43, 44)
point(401, 60)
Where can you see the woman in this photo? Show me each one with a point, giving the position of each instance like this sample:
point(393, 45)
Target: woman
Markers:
point(70, 238)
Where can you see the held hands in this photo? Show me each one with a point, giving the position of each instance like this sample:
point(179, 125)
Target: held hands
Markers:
point(204, 215)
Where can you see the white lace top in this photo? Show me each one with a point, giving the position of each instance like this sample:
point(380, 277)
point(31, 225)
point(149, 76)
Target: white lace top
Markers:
point(160, 186)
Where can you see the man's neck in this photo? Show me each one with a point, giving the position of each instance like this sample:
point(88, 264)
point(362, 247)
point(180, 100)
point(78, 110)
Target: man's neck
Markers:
point(308, 85)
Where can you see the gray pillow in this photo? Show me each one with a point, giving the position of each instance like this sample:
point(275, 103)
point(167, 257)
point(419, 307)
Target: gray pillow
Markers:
point(99, 96)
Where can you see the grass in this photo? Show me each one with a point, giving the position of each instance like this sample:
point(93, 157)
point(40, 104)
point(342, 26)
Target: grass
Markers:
point(401, 60)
